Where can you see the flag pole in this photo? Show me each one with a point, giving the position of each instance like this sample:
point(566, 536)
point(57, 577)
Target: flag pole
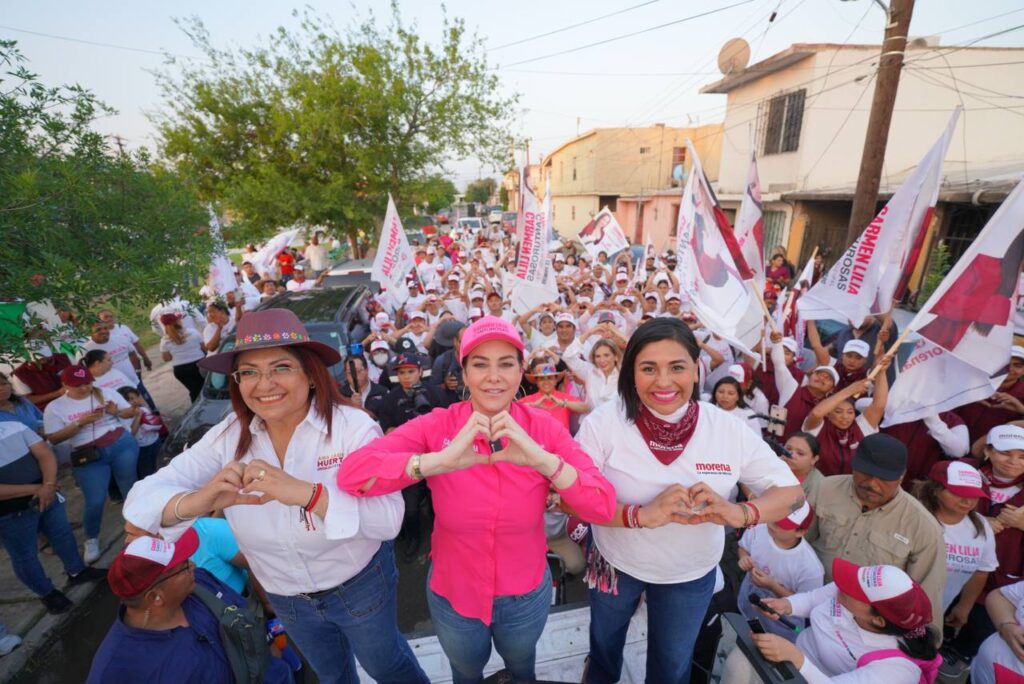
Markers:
point(764, 306)
point(893, 348)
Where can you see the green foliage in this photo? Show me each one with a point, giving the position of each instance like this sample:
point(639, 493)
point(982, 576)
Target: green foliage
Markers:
point(503, 197)
point(315, 126)
point(938, 267)
point(481, 190)
point(84, 224)
point(435, 192)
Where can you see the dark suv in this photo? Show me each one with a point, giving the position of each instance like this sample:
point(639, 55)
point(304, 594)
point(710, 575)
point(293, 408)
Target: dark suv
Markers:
point(332, 315)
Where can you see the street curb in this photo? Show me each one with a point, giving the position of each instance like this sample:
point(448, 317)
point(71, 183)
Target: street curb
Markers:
point(46, 625)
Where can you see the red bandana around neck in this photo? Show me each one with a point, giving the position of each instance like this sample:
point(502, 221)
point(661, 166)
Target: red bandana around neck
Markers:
point(667, 440)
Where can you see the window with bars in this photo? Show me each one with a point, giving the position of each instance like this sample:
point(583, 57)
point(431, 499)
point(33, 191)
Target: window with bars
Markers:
point(645, 150)
point(781, 119)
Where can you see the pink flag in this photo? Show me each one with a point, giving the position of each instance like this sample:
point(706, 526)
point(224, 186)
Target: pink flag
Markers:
point(966, 327)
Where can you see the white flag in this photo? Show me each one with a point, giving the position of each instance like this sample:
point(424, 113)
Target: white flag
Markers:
point(603, 234)
point(966, 327)
point(221, 277)
point(750, 224)
point(265, 259)
point(707, 273)
point(532, 282)
point(394, 257)
point(866, 277)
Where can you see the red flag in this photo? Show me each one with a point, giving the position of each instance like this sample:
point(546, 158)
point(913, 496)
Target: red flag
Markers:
point(722, 221)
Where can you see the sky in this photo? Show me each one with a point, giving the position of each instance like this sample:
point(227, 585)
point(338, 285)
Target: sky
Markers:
point(651, 77)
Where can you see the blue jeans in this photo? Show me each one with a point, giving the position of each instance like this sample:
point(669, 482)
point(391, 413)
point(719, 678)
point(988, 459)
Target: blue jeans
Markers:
point(147, 459)
point(358, 619)
point(121, 459)
point(674, 616)
point(516, 626)
point(18, 533)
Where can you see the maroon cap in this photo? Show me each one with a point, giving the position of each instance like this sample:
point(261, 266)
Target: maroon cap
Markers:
point(75, 376)
point(265, 329)
point(145, 559)
point(170, 318)
point(889, 590)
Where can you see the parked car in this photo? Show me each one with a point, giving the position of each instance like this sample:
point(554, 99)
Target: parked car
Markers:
point(332, 315)
point(494, 216)
point(350, 273)
point(508, 221)
point(473, 224)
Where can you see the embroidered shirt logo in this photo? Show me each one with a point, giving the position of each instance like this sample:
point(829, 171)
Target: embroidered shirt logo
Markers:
point(329, 461)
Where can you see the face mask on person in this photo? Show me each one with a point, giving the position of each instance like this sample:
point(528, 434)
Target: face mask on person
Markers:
point(380, 358)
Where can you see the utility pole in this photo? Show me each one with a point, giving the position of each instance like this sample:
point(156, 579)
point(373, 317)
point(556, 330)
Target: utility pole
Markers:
point(890, 65)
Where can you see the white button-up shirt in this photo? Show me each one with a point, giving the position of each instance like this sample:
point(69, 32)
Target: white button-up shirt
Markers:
point(287, 558)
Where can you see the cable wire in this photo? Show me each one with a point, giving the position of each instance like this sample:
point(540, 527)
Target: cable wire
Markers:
point(572, 26)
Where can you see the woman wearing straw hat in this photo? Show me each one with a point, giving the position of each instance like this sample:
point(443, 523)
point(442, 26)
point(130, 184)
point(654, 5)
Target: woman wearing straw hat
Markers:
point(489, 463)
point(324, 557)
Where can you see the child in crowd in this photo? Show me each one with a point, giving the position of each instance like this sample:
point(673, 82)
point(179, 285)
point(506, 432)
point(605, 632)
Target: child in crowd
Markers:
point(804, 452)
point(778, 563)
point(148, 429)
point(951, 494)
point(543, 373)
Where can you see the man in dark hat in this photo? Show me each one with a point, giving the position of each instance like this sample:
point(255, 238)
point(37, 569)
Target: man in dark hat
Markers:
point(446, 372)
point(867, 518)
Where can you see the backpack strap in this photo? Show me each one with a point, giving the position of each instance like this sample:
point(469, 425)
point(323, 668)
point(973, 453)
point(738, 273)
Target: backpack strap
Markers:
point(929, 668)
point(240, 635)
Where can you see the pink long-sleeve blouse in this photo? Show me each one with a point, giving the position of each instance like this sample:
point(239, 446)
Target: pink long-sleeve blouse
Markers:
point(488, 535)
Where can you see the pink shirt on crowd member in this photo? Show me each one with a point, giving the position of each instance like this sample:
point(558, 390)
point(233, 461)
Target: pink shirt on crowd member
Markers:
point(488, 535)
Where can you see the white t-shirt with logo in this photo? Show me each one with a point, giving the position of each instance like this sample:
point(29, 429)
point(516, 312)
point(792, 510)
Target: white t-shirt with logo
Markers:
point(1001, 493)
point(719, 453)
point(112, 380)
point(966, 554)
point(64, 410)
point(798, 569)
point(119, 349)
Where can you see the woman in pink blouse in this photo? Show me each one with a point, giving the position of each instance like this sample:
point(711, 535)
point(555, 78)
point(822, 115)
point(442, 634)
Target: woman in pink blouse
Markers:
point(490, 464)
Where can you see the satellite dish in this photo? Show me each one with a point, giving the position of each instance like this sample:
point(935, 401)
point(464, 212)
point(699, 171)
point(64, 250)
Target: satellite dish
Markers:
point(734, 56)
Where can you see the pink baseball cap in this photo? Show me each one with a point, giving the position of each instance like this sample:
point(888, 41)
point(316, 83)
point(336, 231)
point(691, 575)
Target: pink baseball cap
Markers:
point(959, 478)
point(486, 329)
point(889, 590)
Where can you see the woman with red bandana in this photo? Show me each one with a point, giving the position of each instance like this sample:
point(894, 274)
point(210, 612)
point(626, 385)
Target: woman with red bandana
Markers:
point(489, 463)
point(675, 462)
point(834, 421)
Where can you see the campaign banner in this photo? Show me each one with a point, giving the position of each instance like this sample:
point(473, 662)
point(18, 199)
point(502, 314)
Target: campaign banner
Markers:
point(532, 229)
point(603, 234)
point(221, 277)
point(967, 324)
point(867, 277)
point(394, 257)
point(749, 227)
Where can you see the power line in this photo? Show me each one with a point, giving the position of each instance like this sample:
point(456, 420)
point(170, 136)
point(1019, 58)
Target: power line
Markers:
point(95, 43)
point(627, 35)
point(572, 26)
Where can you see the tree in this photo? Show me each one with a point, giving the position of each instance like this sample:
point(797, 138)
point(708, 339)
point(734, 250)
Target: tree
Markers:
point(84, 224)
point(481, 190)
point(318, 126)
point(435, 192)
point(503, 198)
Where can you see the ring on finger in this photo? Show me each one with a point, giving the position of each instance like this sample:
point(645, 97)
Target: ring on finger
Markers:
point(262, 474)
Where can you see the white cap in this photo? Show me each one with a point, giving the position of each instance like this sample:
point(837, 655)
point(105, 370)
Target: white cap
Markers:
point(475, 312)
point(662, 278)
point(439, 268)
point(381, 318)
point(673, 295)
point(830, 370)
point(417, 314)
point(565, 317)
point(430, 287)
point(857, 347)
point(476, 294)
point(559, 256)
point(377, 345)
point(622, 278)
point(651, 295)
point(1017, 352)
point(736, 371)
point(454, 278)
point(790, 344)
point(583, 299)
point(431, 250)
point(1006, 437)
